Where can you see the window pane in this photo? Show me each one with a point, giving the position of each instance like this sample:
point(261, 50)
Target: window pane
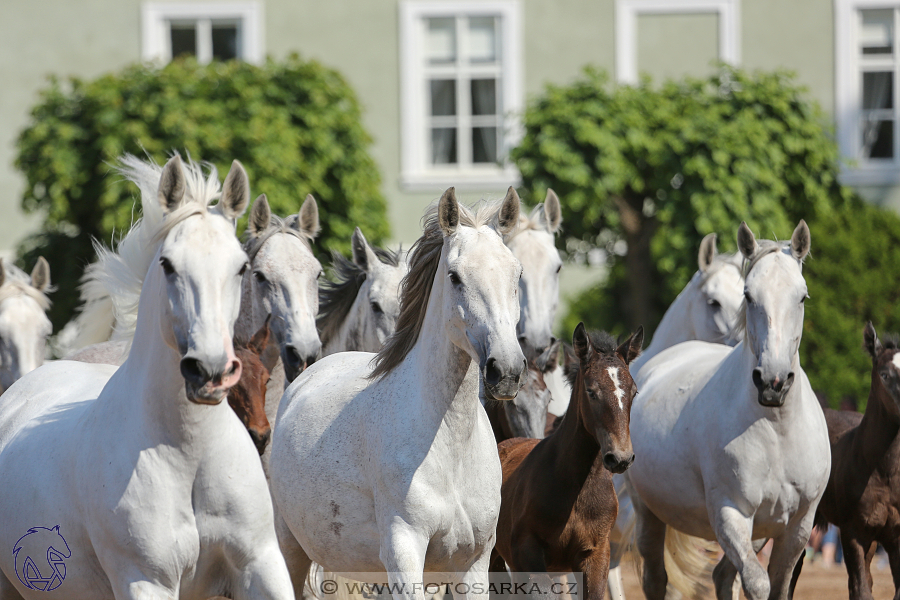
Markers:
point(443, 146)
point(876, 34)
point(224, 42)
point(484, 97)
point(482, 39)
point(484, 144)
point(443, 97)
point(878, 90)
point(184, 40)
point(441, 41)
point(878, 139)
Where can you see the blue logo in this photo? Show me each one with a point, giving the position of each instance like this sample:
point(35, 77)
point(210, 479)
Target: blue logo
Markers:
point(40, 558)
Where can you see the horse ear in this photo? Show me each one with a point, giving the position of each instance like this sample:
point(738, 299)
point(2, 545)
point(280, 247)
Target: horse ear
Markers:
point(746, 241)
point(235, 192)
point(871, 341)
point(363, 255)
point(508, 217)
point(40, 275)
point(260, 339)
point(552, 211)
point(631, 348)
point(260, 216)
point(171, 185)
point(707, 253)
point(308, 218)
point(800, 240)
point(582, 344)
point(448, 211)
point(549, 358)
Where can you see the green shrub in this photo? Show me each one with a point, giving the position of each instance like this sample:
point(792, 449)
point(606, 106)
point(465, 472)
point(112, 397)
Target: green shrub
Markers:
point(295, 126)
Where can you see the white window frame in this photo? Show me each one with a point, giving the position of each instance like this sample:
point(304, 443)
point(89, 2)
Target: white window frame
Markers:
point(416, 171)
point(848, 97)
point(628, 11)
point(155, 18)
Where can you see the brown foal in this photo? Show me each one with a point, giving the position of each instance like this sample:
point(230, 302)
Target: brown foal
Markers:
point(558, 502)
point(248, 397)
point(863, 492)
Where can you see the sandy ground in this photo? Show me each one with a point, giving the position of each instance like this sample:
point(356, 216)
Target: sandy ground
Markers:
point(816, 582)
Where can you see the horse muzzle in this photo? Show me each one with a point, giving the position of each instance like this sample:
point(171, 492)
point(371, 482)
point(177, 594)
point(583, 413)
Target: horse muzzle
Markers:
point(772, 391)
point(500, 383)
point(202, 385)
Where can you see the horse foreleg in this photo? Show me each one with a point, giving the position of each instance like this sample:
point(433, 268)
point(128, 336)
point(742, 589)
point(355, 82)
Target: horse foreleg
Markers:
point(265, 577)
point(650, 535)
point(298, 563)
point(614, 584)
point(474, 583)
point(893, 551)
point(857, 567)
point(725, 575)
point(403, 555)
point(786, 550)
point(596, 570)
point(733, 531)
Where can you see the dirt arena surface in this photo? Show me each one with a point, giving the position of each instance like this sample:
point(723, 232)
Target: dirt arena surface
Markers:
point(816, 582)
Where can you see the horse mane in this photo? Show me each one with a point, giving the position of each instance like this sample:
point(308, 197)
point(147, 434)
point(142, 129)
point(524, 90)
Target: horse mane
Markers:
point(287, 226)
point(603, 342)
point(337, 297)
point(890, 342)
point(535, 221)
point(415, 289)
point(111, 286)
point(766, 247)
point(18, 283)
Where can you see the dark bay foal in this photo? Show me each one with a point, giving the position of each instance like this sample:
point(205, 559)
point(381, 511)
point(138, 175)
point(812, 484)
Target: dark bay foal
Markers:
point(558, 502)
point(248, 397)
point(863, 492)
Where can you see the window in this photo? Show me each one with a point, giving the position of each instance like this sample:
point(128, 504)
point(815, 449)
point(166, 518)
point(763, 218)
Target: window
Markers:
point(209, 31)
point(460, 92)
point(866, 90)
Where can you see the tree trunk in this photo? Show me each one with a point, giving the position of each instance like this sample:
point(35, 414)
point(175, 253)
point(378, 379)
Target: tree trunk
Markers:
point(642, 278)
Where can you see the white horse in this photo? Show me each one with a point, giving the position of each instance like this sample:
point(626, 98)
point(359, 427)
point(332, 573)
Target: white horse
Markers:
point(731, 443)
point(359, 310)
point(707, 309)
point(138, 481)
point(395, 469)
point(24, 326)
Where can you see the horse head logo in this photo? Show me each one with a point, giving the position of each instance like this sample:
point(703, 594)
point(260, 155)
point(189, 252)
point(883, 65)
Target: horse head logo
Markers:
point(40, 558)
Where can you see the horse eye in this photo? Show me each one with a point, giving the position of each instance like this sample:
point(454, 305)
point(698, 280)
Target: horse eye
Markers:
point(376, 308)
point(167, 267)
point(559, 268)
point(454, 278)
point(260, 277)
point(804, 298)
point(713, 302)
point(243, 269)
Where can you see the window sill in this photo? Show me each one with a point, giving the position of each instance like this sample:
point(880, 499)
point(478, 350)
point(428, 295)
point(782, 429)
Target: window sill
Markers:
point(887, 175)
point(462, 179)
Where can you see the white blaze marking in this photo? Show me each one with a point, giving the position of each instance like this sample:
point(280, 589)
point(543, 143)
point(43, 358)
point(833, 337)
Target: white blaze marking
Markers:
point(896, 360)
point(620, 393)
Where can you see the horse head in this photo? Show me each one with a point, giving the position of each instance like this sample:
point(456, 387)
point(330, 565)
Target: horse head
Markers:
point(714, 316)
point(774, 296)
point(283, 280)
point(885, 369)
point(248, 397)
point(604, 390)
point(24, 325)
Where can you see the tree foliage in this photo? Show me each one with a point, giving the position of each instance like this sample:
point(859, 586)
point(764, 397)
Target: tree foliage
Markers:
point(660, 167)
point(295, 126)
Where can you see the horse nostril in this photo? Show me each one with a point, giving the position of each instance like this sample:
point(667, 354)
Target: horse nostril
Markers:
point(260, 440)
point(233, 366)
point(492, 374)
point(193, 371)
point(610, 461)
point(292, 357)
point(310, 359)
point(757, 379)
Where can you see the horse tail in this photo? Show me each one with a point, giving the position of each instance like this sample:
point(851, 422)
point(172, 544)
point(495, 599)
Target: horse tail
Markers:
point(689, 563)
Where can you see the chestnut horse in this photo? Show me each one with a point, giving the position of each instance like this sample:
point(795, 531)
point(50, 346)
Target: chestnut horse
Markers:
point(558, 502)
point(863, 492)
point(248, 396)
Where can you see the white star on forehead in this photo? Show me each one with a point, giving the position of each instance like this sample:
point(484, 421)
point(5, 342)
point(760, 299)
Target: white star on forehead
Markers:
point(896, 360)
point(620, 393)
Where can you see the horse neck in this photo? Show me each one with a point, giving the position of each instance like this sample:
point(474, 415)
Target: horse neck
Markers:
point(575, 448)
point(878, 428)
point(446, 376)
point(150, 378)
point(352, 335)
point(675, 326)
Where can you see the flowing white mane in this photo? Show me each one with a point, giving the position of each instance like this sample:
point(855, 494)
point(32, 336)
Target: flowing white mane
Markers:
point(111, 286)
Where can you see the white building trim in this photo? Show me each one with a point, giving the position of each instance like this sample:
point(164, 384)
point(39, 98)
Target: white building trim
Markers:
point(627, 12)
point(155, 44)
point(416, 172)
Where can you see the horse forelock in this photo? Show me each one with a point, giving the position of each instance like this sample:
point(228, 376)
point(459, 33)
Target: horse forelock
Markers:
point(603, 343)
point(415, 289)
point(253, 244)
point(536, 220)
point(720, 262)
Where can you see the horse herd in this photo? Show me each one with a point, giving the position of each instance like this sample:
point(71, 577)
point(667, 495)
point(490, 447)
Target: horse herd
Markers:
point(375, 403)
